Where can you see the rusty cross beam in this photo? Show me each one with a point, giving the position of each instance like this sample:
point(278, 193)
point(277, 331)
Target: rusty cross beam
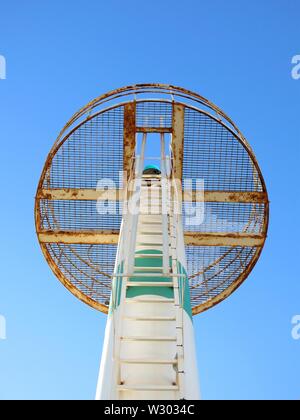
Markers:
point(188, 196)
point(191, 238)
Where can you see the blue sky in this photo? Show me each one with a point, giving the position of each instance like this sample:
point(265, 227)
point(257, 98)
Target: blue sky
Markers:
point(62, 54)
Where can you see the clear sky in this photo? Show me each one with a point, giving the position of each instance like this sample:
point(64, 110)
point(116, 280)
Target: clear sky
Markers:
point(60, 55)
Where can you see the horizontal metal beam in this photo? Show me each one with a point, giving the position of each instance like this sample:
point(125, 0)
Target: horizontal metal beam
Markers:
point(154, 130)
point(81, 194)
point(188, 196)
point(191, 238)
point(225, 197)
point(80, 237)
point(224, 239)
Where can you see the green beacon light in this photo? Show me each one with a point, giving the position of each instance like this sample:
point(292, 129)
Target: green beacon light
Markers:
point(152, 170)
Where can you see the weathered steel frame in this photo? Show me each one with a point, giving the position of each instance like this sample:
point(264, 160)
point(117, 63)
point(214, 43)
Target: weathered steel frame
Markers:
point(130, 130)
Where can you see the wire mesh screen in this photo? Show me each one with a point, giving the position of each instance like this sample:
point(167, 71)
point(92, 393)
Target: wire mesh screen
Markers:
point(87, 267)
point(94, 151)
point(77, 215)
point(212, 270)
point(154, 114)
point(216, 160)
point(213, 154)
point(223, 217)
point(89, 154)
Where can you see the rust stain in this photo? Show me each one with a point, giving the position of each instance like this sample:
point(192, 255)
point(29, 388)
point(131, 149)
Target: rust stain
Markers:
point(129, 135)
point(178, 139)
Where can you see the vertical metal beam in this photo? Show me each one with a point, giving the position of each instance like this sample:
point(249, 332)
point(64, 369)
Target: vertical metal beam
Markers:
point(129, 135)
point(178, 140)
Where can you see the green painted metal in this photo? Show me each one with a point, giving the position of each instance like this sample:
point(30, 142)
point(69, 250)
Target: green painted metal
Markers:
point(166, 292)
point(150, 169)
point(184, 289)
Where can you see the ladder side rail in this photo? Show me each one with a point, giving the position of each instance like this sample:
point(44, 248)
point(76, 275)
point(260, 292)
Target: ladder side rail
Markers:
point(137, 197)
point(119, 298)
point(179, 298)
point(179, 232)
point(123, 258)
point(164, 199)
point(132, 218)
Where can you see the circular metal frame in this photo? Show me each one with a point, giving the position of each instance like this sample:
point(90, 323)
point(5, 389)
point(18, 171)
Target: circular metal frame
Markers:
point(164, 93)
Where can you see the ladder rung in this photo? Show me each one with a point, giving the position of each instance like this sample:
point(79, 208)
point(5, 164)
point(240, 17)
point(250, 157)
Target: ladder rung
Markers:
point(153, 318)
point(158, 180)
point(154, 339)
point(154, 187)
point(149, 244)
point(150, 218)
point(151, 205)
point(150, 301)
point(153, 216)
point(149, 232)
point(148, 255)
point(151, 211)
point(151, 194)
point(152, 181)
point(148, 362)
point(150, 200)
point(153, 275)
point(152, 223)
point(144, 248)
point(149, 284)
point(148, 388)
point(137, 269)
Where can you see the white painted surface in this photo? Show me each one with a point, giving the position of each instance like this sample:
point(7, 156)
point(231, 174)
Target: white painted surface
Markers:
point(113, 373)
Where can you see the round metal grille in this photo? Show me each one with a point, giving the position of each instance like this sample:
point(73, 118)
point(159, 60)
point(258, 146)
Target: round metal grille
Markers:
point(93, 146)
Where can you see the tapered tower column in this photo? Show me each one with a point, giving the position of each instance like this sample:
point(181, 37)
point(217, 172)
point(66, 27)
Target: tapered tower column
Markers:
point(149, 349)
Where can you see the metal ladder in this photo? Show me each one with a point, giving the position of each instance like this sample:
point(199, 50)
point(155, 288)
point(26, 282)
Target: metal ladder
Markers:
point(162, 225)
